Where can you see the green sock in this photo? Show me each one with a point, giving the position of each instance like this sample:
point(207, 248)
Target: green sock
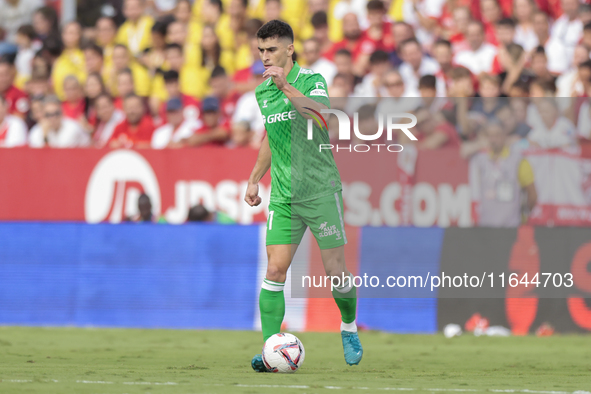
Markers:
point(346, 299)
point(272, 307)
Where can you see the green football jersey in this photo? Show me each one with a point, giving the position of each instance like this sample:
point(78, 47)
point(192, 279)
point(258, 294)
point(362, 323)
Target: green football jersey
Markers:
point(299, 170)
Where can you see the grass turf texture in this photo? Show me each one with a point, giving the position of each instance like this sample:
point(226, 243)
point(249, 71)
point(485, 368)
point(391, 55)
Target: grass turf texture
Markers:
point(219, 362)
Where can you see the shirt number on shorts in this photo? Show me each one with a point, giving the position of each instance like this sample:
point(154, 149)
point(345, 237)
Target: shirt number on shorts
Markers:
point(271, 219)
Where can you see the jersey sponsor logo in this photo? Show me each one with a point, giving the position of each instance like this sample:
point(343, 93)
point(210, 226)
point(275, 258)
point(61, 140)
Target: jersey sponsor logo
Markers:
point(318, 92)
point(320, 85)
point(279, 117)
point(115, 184)
point(326, 231)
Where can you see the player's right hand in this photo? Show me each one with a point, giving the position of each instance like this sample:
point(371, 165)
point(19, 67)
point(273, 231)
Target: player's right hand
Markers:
point(252, 195)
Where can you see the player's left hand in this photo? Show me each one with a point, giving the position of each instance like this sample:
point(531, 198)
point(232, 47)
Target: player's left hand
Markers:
point(278, 76)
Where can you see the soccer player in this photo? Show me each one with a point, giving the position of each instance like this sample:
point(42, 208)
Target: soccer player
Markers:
point(305, 186)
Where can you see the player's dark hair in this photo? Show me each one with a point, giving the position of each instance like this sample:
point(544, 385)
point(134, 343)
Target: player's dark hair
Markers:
point(507, 22)
point(170, 76)
point(91, 46)
point(376, 5)
point(319, 20)
point(218, 71)
point(275, 29)
point(428, 82)
point(378, 57)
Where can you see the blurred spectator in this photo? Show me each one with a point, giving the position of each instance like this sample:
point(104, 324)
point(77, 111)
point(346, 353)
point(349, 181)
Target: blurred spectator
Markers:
point(106, 32)
point(415, 65)
point(554, 130)
point(177, 127)
point(135, 33)
point(137, 128)
point(401, 31)
point(568, 28)
point(569, 84)
point(315, 62)
point(199, 213)
point(524, 30)
point(122, 60)
point(71, 60)
point(221, 88)
point(55, 131)
point(190, 105)
point(145, 215)
point(376, 37)
point(16, 99)
point(215, 130)
point(558, 60)
point(108, 117)
point(433, 131)
point(344, 66)
point(320, 24)
point(395, 97)
point(505, 32)
point(372, 82)
point(74, 105)
point(182, 14)
point(498, 178)
point(94, 61)
point(13, 130)
point(46, 24)
point(247, 121)
point(125, 86)
point(26, 52)
point(16, 13)
point(443, 55)
point(191, 82)
point(480, 55)
point(93, 88)
point(153, 58)
point(351, 38)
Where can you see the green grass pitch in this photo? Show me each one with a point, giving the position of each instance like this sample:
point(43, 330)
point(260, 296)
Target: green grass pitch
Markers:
point(117, 361)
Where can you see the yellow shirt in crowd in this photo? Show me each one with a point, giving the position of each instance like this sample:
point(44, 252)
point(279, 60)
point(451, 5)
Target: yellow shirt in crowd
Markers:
point(136, 37)
point(70, 62)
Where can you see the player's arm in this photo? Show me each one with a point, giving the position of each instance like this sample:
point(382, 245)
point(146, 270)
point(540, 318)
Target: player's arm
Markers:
point(303, 101)
point(261, 167)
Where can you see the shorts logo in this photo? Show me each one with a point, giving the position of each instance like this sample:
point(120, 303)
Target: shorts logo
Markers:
point(265, 103)
point(326, 231)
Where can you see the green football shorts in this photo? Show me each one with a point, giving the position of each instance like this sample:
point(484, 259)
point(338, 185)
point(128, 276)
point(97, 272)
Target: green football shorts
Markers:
point(287, 222)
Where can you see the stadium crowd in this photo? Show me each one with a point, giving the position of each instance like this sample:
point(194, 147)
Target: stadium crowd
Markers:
point(175, 73)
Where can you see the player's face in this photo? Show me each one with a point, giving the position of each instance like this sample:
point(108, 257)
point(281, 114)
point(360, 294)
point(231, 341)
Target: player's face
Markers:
point(275, 52)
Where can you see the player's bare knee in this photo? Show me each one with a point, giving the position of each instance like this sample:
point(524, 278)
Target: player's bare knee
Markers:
point(276, 274)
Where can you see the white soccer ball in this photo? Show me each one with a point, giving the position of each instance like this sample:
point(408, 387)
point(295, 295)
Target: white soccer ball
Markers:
point(284, 353)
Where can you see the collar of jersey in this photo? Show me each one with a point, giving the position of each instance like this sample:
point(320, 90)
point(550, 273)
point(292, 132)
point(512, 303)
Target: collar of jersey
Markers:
point(292, 76)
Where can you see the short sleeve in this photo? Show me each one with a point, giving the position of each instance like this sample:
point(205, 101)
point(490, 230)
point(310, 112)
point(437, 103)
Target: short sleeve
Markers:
point(316, 89)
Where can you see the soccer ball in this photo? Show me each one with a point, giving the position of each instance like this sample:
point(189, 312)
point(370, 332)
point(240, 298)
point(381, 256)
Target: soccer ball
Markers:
point(284, 353)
